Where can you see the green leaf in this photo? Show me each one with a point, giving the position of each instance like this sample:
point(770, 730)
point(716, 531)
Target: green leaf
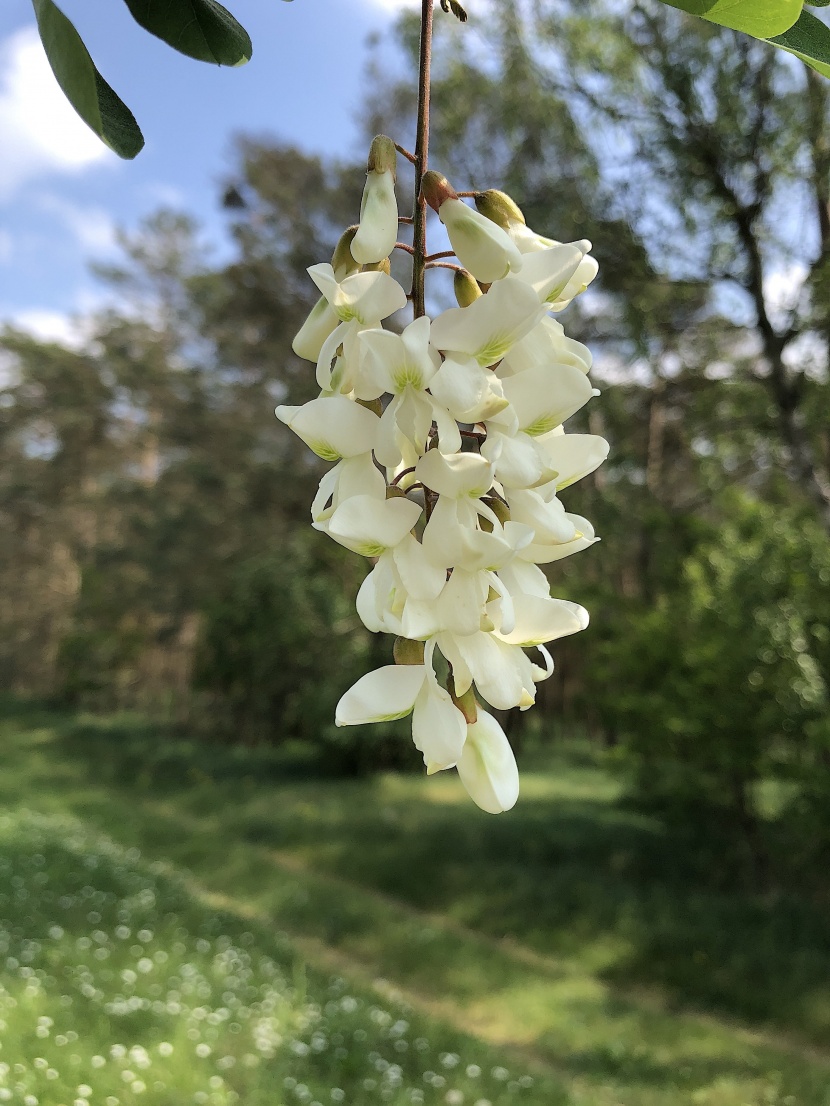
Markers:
point(761, 18)
point(87, 91)
point(202, 29)
point(809, 40)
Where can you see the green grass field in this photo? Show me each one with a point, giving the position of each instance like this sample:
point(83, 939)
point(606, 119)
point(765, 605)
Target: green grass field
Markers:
point(184, 925)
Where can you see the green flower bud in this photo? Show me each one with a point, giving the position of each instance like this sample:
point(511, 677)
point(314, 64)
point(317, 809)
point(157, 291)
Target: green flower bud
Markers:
point(341, 260)
point(383, 157)
point(498, 207)
point(499, 508)
point(406, 651)
point(467, 289)
point(466, 703)
point(382, 266)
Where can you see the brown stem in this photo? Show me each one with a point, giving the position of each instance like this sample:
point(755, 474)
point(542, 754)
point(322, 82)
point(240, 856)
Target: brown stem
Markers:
point(419, 235)
point(442, 253)
point(401, 475)
point(403, 246)
point(406, 153)
point(405, 219)
point(443, 265)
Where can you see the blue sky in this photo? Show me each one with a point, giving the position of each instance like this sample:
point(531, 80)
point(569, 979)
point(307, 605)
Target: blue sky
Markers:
point(62, 193)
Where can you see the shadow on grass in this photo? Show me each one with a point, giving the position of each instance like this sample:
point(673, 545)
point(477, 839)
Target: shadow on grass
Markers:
point(610, 896)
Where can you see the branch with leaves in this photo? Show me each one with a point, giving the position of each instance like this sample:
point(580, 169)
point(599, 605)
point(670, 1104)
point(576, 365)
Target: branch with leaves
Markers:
point(206, 31)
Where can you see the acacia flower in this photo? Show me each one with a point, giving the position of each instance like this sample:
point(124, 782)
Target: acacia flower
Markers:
point(378, 231)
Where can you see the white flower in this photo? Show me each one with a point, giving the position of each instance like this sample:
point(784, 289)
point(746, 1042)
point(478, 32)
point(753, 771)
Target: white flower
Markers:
point(404, 365)
point(542, 553)
point(352, 476)
point(489, 327)
point(559, 296)
point(572, 456)
point(332, 426)
point(321, 321)
point(542, 398)
point(378, 231)
point(487, 767)
point(505, 213)
point(482, 248)
point(369, 526)
point(439, 729)
point(545, 344)
point(360, 302)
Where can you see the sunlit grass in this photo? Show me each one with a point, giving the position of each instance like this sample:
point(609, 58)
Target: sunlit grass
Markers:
point(571, 933)
point(118, 988)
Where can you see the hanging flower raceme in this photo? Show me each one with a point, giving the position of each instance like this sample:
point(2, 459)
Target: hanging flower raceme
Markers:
point(451, 455)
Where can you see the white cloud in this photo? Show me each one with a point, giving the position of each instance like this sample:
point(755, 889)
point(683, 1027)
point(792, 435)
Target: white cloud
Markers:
point(50, 326)
point(40, 134)
point(91, 227)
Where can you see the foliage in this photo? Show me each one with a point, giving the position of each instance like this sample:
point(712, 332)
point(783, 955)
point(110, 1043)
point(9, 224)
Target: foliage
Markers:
point(202, 29)
point(277, 648)
point(205, 30)
point(723, 687)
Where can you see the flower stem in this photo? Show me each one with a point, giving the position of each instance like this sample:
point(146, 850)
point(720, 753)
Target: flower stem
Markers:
point(419, 219)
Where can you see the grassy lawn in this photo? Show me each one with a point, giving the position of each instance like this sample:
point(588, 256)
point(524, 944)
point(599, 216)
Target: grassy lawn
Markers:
point(561, 954)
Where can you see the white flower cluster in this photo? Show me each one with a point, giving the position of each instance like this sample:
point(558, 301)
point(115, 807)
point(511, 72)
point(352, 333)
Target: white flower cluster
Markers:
point(450, 458)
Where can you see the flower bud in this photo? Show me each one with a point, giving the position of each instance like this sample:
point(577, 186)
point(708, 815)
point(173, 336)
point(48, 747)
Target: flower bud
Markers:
point(466, 288)
point(383, 157)
point(383, 266)
point(466, 703)
point(480, 244)
point(378, 231)
point(498, 207)
point(436, 189)
point(341, 260)
point(406, 651)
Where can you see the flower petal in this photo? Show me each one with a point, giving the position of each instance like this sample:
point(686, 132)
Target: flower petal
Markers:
point(460, 476)
point(333, 426)
point(378, 230)
point(439, 729)
point(545, 396)
point(491, 325)
point(487, 766)
point(544, 619)
point(309, 339)
point(380, 696)
point(480, 245)
point(573, 456)
point(369, 527)
point(421, 578)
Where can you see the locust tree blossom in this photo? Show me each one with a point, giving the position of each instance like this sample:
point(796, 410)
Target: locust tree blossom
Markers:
point(450, 455)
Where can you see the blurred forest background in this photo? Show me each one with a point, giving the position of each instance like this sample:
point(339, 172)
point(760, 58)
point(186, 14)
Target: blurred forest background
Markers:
point(155, 548)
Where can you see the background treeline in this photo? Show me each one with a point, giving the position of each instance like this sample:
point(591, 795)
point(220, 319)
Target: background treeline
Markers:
point(155, 551)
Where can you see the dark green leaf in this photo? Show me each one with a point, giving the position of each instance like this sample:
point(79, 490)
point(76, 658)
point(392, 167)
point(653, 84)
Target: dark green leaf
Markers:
point(761, 18)
point(809, 40)
point(202, 29)
point(90, 95)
